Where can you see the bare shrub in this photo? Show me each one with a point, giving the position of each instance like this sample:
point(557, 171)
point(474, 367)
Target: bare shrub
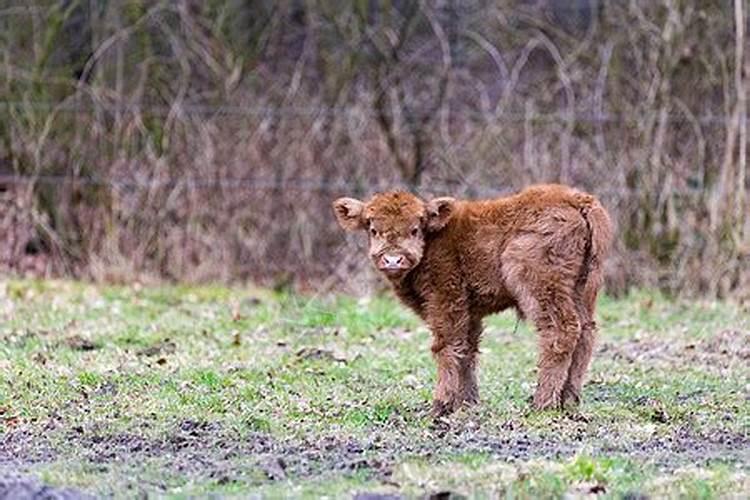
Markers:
point(204, 141)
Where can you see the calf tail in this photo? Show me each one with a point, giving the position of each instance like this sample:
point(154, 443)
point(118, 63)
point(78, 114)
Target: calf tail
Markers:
point(598, 243)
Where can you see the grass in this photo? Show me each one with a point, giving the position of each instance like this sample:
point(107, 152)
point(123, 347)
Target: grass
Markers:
point(185, 391)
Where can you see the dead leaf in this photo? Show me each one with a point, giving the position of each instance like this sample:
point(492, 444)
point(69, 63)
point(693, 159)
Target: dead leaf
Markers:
point(164, 347)
point(321, 354)
point(78, 343)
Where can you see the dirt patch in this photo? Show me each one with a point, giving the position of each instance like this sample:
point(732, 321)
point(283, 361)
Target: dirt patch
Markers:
point(208, 446)
point(207, 450)
point(729, 343)
point(684, 446)
point(23, 446)
point(21, 488)
point(716, 353)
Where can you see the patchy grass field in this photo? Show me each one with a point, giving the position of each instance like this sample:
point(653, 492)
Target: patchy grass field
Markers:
point(194, 391)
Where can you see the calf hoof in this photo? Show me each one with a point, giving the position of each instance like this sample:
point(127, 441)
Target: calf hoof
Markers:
point(442, 408)
point(546, 401)
point(471, 397)
point(571, 400)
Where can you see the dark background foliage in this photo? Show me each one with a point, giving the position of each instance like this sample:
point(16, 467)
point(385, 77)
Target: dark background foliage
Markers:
point(204, 140)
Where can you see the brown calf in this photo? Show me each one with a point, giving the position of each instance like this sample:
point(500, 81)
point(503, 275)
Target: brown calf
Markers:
point(453, 262)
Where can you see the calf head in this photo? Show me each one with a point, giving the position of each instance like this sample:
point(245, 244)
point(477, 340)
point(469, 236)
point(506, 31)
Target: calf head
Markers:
point(397, 224)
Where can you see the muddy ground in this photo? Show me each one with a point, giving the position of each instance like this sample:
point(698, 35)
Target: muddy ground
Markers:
point(207, 451)
point(119, 393)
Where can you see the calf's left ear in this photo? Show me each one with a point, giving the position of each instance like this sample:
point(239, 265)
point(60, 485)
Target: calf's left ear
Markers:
point(439, 212)
point(349, 213)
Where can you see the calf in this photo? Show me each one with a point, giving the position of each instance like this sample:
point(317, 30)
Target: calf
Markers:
point(453, 262)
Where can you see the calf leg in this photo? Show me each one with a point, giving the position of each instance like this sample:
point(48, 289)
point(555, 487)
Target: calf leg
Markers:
point(571, 396)
point(454, 353)
point(448, 389)
point(559, 331)
point(553, 312)
point(469, 363)
point(584, 348)
point(540, 271)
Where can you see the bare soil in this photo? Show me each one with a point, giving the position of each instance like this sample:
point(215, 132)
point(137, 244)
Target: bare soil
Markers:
point(206, 450)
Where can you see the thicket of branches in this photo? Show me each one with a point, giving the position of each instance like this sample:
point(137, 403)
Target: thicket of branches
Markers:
point(204, 140)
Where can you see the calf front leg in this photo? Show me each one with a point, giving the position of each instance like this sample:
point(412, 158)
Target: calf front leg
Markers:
point(454, 356)
point(469, 363)
point(448, 389)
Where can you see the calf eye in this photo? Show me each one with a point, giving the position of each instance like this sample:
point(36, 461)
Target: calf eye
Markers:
point(373, 231)
point(415, 231)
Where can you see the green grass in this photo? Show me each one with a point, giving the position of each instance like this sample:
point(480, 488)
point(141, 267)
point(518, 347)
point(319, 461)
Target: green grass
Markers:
point(182, 391)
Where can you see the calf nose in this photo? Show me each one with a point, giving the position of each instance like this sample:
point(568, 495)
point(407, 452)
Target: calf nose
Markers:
point(392, 261)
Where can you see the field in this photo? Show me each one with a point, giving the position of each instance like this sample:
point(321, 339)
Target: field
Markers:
point(176, 391)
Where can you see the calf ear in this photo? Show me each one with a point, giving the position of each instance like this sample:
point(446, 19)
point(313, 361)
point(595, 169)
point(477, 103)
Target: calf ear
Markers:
point(439, 212)
point(349, 213)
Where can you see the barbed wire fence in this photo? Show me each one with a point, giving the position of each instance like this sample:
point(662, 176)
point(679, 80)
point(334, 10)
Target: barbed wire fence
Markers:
point(292, 111)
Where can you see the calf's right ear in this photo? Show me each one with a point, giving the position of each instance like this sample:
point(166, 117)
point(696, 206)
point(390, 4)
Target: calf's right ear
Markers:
point(439, 212)
point(349, 213)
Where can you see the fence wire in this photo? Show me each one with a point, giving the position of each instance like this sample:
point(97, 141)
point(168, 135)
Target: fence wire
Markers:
point(198, 109)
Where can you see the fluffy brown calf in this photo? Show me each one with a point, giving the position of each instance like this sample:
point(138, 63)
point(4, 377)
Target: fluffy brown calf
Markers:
point(453, 262)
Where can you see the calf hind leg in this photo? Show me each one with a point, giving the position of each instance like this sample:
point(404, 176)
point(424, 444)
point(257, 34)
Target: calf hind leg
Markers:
point(543, 284)
point(581, 357)
point(584, 349)
point(559, 332)
point(559, 329)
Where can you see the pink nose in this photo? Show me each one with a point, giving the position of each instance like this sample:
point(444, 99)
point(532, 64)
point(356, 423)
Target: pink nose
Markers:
point(392, 261)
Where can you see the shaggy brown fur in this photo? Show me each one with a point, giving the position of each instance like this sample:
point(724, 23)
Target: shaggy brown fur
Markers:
point(453, 262)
